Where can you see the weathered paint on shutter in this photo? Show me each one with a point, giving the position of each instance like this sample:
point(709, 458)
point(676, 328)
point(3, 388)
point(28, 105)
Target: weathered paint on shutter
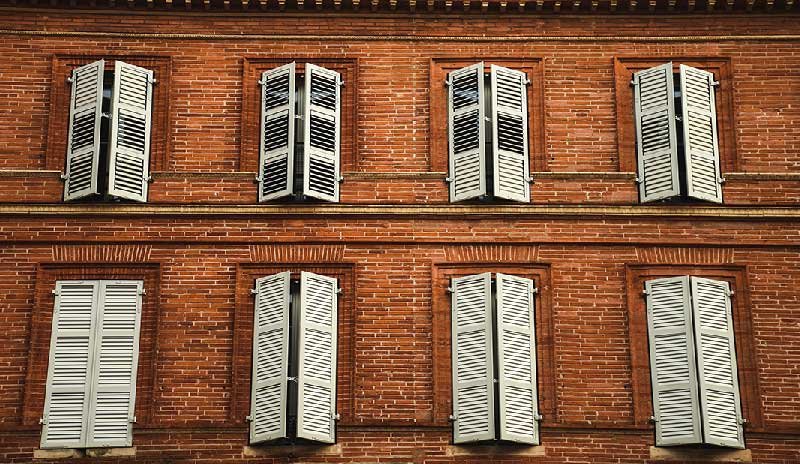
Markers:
point(316, 378)
point(83, 139)
point(672, 361)
point(466, 133)
point(700, 134)
point(69, 371)
point(129, 144)
point(276, 153)
point(472, 361)
point(322, 133)
point(656, 137)
point(716, 359)
point(510, 134)
point(270, 358)
point(516, 357)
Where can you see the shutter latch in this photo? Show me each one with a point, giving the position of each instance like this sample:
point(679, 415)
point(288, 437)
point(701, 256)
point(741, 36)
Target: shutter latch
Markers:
point(291, 379)
point(106, 115)
point(678, 118)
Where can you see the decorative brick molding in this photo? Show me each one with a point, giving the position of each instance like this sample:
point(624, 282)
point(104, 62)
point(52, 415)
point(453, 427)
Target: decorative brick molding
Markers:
point(101, 253)
point(491, 254)
point(684, 255)
point(297, 254)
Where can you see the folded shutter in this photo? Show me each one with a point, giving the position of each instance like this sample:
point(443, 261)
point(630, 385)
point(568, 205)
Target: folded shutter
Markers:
point(129, 145)
point(700, 134)
point(111, 409)
point(276, 154)
point(472, 363)
point(322, 132)
point(467, 133)
point(316, 378)
point(270, 358)
point(716, 358)
point(510, 134)
point(672, 361)
point(516, 358)
point(69, 370)
point(83, 139)
point(656, 138)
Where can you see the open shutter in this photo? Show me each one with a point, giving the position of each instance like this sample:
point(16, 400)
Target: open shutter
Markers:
point(322, 132)
point(672, 362)
point(270, 358)
point(276, 154)
point(472, 362)
point(467, 133)
point(111, 410)
point(69, 371)
point(700, 134)
point(716, 357)
point(316, 378)
point(516, 357)
point(129, 145)
point(510, 134)
point(656, 138)
point(83, 141)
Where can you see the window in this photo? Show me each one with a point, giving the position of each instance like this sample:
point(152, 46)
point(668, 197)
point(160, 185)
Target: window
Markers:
point(488, 134)
point(299, 151)
point(108, 148)
point(94, 351)
point(294, 358)
point(494, 343)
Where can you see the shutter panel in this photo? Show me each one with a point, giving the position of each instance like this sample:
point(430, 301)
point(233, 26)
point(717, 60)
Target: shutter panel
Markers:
point(516, 357)
point(83, 140)
point(270, 358)
point(129, 145)
point(322, 132)
point(716, 357)
point(276, 154)
point(467, 133)
point(510, 134)
point(700, 134)
point(69, 369)
point(656, 138)
point(316, 378)
point(672, 362)
point(111, 410)
point(473, 366)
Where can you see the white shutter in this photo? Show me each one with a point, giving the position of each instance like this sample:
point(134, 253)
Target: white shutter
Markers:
point(700, 134)
point(322, 133)
point(466, 133)
point(129, 144)
point(516, 358)
point(83, 140)
point(69, 371)
point(111, 409)
point(316, 378)
point(510, 134)
point(672, 361)
point(656, 138)
point(472, 363)
point(716, 357)
point(270, 358)
point(276, 152)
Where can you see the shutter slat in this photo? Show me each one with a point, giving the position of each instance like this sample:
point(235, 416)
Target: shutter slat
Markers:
point(322, 133)
point(467, 133)
point(276, 153)
point(509, 103)
point(83, 139)
point(699, 115)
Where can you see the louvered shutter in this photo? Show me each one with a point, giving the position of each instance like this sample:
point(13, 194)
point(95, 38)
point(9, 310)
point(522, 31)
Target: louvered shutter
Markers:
point(322, 132)
point(83, 140)
point(472, 362)
point(672, 361)
point(656, 138)
point(69, 370)
point(716, 358)
point(111, 409)
point(700, 134)
point(270, 358)
point(276, 155)
point(316, 379)
point(510, 134)
point(466, 133)
point(129, 144)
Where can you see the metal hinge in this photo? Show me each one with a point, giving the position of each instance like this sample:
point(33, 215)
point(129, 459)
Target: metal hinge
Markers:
point(529, 180)
point(678, 118)
point(43, 420)
point(291, 379)
point(487, 119)
point(452, 418)
point(142, 292)
point(254, 291)
point(743, 421)
point(132, 419)
point(538, 417)
point(64, 177)
point(527, 82)
point(341, 83)
point(336, 416)
point(450, 290)
point(248, 419)
point(153, 81)
point(721, 180)
point(106, 115)
point(634, 83)
point(56, 293)
point(448, 179)
point(447, 83)
point(262, 82)
point(257, 179)
point(730, 292)
point(340, 179)
point(148, 179)
point(645, 292)
point(638, 180)
point(535, 290)
point(298, 116)
point(653, 419)
point(70, 80)
point(714, 84)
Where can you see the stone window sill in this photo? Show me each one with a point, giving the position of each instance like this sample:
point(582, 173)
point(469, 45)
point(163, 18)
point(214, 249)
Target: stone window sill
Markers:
point(700, 454)
point(73, 453)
